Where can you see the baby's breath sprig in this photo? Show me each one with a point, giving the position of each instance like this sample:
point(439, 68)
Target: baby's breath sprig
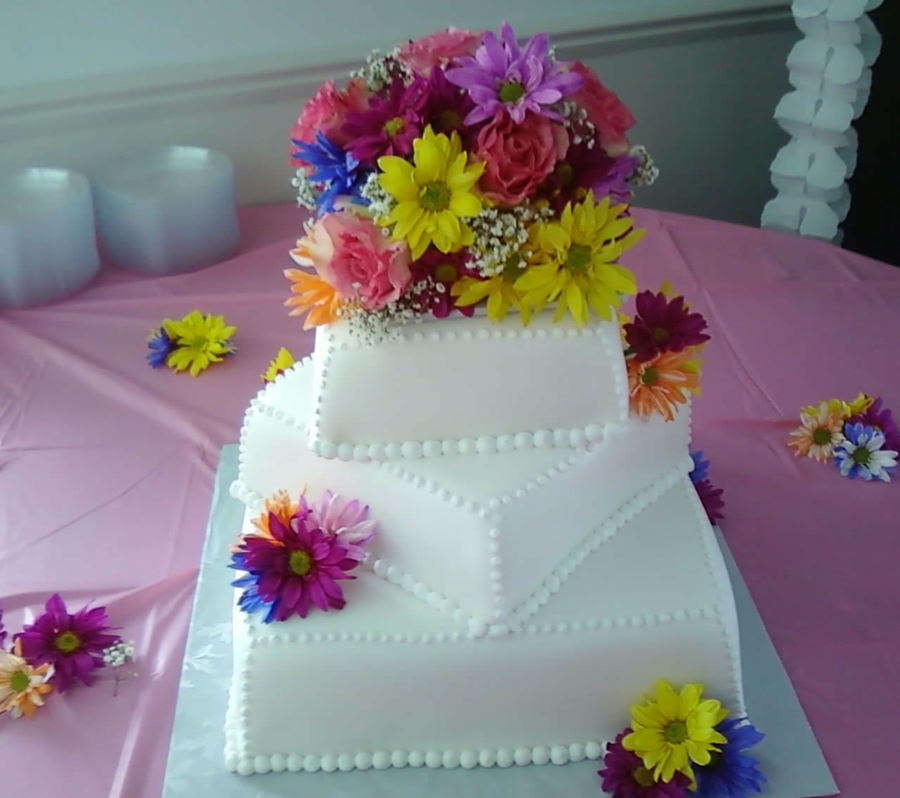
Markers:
point(116, 657)
point(646, 172)
point(382, 69)
point(380, 202)
point(581, 130)
point(374, 326)
point(499, 235)
point(307, 190)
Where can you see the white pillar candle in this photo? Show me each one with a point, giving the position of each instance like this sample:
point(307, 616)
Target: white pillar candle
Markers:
point(48, 246)
point(168, 212)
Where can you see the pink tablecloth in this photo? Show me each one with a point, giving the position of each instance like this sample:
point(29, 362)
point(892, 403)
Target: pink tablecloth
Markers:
point(106, 468)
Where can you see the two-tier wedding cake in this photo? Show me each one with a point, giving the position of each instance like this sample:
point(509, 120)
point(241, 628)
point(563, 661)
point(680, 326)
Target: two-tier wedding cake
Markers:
point(471, 534)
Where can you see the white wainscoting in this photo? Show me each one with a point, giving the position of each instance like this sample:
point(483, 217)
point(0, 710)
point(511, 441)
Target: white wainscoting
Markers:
point(702, 78)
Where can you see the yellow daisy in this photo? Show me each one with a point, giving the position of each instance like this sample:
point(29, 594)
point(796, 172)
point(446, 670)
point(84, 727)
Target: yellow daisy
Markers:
point(433, 193)
point(499, 290)
point(574, 261)
point(279, 364)
point(200, 340)
point(675, 729)
point(842, 409)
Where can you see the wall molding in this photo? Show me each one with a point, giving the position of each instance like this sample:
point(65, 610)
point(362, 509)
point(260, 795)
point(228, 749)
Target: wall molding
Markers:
point(85, 103)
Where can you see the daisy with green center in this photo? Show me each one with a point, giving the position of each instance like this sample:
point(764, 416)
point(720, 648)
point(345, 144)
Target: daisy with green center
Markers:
point(675, 730)
point(499, 290)
point(22, 685)
point(820, 431)
point(434, 194)
point(200, 340)
point(574, 261)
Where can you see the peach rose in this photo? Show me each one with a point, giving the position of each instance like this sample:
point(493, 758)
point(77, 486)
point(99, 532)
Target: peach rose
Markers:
point(518, 157)
point(437, 48)
point(605, 111)
point(327, 111)
point(357, 259)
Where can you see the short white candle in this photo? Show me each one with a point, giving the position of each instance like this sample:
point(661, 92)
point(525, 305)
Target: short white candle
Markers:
point(168, 212)
point(48, 246)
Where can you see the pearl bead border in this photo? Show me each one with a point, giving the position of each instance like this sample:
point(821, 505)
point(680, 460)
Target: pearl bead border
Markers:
point(432, 758)
point(574, 437)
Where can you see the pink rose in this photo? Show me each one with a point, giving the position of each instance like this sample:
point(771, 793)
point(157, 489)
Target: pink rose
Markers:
point(605, 111)
point(518, 157)
point(437, 48)
point(327, 111)
point(358, 260)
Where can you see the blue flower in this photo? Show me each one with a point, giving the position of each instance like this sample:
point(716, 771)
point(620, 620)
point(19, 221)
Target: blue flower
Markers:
point(160, 347)
point(862, 454)
point(336, 169)
point(250, 601)
point(732, 773)
point(701, 467)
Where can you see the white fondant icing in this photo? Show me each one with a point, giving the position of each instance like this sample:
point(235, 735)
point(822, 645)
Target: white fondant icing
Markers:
point(463, 696)
point(534, 511)
point(356, 387)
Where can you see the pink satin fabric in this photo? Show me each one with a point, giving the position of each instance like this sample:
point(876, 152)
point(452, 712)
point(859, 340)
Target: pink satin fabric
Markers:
point(106, 469)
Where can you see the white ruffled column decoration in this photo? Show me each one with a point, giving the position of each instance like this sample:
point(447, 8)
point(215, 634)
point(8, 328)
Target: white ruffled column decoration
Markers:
point(830, 70)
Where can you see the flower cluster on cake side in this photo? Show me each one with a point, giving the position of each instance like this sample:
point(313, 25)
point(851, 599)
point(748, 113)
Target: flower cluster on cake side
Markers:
point(57, 651)
point(681, 744)
point(298, 553)
point(461, 171)
point(860, 437)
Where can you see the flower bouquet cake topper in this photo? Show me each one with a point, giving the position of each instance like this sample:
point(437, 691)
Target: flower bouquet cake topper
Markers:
point(463, 171)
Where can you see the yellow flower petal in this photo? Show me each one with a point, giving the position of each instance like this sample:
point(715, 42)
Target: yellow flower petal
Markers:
point(464, 204)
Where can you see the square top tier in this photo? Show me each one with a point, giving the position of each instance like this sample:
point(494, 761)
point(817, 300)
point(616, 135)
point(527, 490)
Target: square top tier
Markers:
point(466, 386)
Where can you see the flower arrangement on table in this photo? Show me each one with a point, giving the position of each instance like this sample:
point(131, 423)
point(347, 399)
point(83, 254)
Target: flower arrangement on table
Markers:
point(463, 170)
point(298, 553)
point(860, 437)
point(681, 744)
point(54, 653)
point(192, 343)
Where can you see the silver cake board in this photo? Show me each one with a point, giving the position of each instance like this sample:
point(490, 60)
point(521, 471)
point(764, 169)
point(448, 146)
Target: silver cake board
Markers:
point(790, 756)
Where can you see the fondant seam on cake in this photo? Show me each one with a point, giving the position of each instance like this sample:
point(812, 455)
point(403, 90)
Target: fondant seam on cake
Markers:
point(595, 539)
point(381, 760)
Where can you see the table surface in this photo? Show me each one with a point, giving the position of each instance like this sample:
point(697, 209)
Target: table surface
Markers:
point(107, 467)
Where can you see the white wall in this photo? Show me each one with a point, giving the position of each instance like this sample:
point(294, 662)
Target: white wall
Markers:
point(85, 81)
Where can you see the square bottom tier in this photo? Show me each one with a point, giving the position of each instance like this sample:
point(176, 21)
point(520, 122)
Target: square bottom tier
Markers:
point(389, 681)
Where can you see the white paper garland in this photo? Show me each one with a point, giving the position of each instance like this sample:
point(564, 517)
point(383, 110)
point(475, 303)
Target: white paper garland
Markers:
point(830, 70)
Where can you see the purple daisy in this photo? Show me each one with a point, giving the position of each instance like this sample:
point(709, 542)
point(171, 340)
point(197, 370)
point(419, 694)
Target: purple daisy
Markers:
point(503, 75)
point(589, 169)
point(389, 125)
point(663, 325)
point(880, 417)
point(297, 567)
point(446, 106)
point(348, 520)
point(72, 644)
point(711, 499)
point(626, 777)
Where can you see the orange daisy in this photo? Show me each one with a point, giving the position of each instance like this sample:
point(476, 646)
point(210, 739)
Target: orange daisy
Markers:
point(820, 430)
point(661, 384)
point(315, 297)
point(22, 687)
point(280, 505)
